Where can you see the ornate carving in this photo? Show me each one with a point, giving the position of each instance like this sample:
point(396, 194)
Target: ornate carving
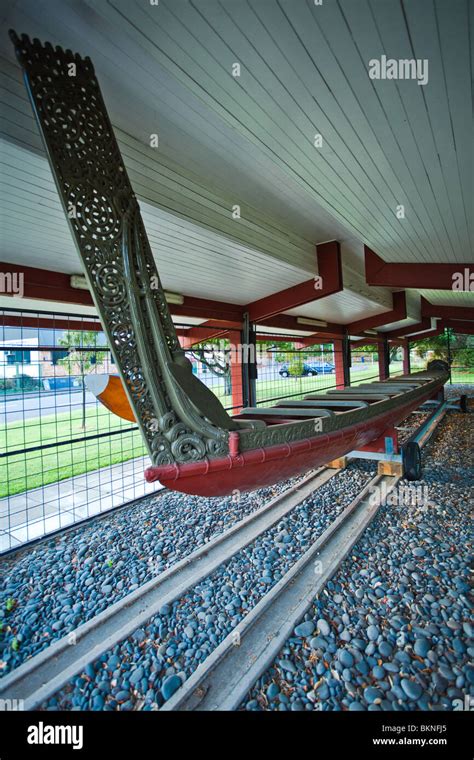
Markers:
point(105, 219)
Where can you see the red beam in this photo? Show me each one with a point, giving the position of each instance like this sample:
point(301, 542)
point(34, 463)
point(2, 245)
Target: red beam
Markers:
point(51, 323)
point(450, 312)
point(330, 272)
point(361, 343)
point(430, 334)
point(208, 309)
point(459, 326)
point(200, 335)
point(398, 312)
point(47, 286)
point(42, 284)
point(425, 324)
point(411, 275)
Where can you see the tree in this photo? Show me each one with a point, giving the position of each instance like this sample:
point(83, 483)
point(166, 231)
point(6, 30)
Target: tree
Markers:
point(82, 355)
point(448, 346)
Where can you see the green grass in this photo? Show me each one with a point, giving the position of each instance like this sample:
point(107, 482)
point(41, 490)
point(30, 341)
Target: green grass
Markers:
point(22, 472)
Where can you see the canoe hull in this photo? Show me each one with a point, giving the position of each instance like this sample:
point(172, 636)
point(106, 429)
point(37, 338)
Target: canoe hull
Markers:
point(263, 467)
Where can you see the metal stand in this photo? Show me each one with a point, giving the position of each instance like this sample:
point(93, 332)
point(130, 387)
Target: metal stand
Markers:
point(408, 462)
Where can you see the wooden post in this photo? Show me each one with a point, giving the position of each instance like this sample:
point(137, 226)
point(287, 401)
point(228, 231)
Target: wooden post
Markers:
point(342, 362)
point(384, 360)
point(236, 371)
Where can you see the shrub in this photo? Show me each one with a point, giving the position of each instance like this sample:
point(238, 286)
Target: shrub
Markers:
point(295, 367)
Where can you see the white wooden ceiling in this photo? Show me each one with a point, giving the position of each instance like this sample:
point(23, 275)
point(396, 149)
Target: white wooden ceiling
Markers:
point(249, 140)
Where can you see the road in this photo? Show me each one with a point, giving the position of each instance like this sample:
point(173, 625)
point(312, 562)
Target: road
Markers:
point(43, 405)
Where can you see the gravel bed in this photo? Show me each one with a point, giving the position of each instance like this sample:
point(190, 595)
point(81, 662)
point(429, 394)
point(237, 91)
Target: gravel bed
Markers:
point(459, 389)
point(392, 630)
point(410, 425)
point(49, 589)
point(146, 669)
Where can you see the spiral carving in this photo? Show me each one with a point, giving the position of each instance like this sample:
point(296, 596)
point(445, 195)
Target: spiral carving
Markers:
point(93, 213)
point(188, 448)
point(109, 283)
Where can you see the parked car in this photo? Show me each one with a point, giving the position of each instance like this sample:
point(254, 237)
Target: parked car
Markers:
point(309, 369)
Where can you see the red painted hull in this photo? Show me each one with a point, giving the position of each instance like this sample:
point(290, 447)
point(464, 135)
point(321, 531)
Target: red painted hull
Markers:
point(263, 467)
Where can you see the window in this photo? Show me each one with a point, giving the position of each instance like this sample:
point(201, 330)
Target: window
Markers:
point(18, 357)
point(57, 355)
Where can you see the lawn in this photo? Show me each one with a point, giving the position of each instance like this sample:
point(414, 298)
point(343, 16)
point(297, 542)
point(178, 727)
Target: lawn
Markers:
point(22, 472)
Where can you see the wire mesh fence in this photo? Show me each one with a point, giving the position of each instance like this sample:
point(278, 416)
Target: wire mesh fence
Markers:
point(63, 456)
point(290, 371)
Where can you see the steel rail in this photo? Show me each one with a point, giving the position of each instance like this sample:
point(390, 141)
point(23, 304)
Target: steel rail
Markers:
point(226, 676)
point(41, 676)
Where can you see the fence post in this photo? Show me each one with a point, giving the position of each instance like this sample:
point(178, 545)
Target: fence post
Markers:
point(450, 358)
point(384, 359)
point(249, 363)
point(406, 358)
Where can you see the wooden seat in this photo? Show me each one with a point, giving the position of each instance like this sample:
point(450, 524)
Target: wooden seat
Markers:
point(386, 387)
point(350, 396)
point(278, 411)
point(323, 404)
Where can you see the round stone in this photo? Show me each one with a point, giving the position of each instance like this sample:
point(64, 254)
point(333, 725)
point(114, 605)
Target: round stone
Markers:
point(385, 649)
point(323, 627)
point(345, 658)
point(170, 685)
point(412, 690)
point(304, 629)
point(371, 694)
point(273, 691)
point(136, 676)
point(373, 632)
point(418, 551)
point(422, 647)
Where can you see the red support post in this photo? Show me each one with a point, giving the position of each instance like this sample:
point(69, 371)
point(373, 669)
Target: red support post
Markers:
point(382, 350)
point(339, 363)
point(236, 368)
point(406, 358)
